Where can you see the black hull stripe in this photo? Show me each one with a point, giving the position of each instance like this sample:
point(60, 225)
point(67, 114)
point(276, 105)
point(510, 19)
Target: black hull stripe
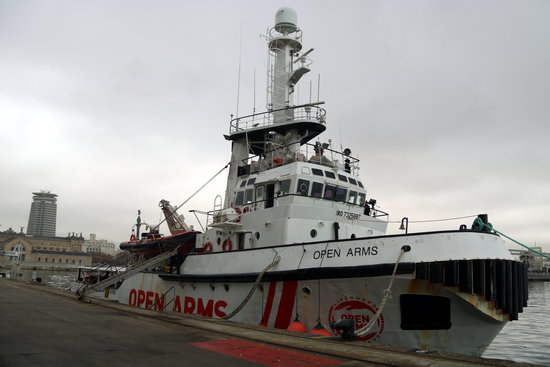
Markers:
point(299, 274)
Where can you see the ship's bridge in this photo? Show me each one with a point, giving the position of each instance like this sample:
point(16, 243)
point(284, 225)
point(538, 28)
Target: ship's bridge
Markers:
point(282, 176)
point(260, 190)
point(297, 201)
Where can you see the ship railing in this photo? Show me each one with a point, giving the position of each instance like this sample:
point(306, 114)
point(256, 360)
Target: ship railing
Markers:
point(309, 111)
point(281, 155)
point(162, 300)
point(109, 268)
point(273, 34)
point(130, 271)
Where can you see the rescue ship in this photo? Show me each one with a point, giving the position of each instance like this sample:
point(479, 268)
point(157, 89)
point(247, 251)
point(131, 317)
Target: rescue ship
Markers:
point(296, 244)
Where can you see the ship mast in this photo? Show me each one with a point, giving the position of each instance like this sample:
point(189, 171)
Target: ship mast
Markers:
point(289, 124)
point(285, 41)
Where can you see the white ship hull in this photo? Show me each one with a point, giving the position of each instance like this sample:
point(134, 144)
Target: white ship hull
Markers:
point(335, 280)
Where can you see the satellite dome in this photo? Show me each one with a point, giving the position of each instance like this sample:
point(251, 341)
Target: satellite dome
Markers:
point(286, 20)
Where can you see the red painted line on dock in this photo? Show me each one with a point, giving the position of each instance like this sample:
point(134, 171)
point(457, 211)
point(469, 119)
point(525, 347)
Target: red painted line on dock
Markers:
point(264, 355)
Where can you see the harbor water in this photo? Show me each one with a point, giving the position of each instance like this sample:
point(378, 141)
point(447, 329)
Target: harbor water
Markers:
point(54, 277)
point(528, 339)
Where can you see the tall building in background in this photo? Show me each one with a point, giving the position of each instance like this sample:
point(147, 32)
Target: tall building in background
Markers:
point(43, 215)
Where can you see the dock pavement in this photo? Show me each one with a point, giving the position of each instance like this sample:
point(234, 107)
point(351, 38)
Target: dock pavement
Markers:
point(44, 326)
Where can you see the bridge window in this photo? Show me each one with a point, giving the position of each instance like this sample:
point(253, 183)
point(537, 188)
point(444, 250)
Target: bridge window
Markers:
point(352, 197)
point(248, 196)
point(284, 187)
point(352, 181)
point(317, 172)
point(342, 178)
point(360, 184)
point(251, 181)
point(259, 193)
point(361, 198)
point(240, 198)
point(243, 184)
point(317, 190)
point(341, 194)
point(330, 192)
point(330, 174)
point(303, 187)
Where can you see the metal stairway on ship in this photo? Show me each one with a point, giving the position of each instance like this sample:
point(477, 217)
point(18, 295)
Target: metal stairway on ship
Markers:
point(87, 288)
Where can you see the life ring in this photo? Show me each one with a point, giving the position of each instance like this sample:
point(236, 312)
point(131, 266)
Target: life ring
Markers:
point(239, 212)
point(227, 245)
point(133, 238)
point(277, 161)
point(208, 247)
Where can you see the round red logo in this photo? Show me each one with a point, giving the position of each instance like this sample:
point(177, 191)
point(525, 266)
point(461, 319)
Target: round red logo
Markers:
point(361, 311)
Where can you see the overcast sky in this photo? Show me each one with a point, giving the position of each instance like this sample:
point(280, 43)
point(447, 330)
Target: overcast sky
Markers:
point(114, 105)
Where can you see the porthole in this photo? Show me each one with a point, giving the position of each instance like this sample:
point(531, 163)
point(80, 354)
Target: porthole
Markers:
point(306, 291)
point(219, 241)
point(313, 233)
point(353, 236)
point(257, 235)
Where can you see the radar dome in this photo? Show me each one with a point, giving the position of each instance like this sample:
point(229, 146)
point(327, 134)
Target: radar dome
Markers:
point(286, 20)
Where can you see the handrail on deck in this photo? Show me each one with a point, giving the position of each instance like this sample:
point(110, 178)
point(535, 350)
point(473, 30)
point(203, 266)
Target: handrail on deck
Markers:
point(301, 112)
point(163, 298)
point(307, 152)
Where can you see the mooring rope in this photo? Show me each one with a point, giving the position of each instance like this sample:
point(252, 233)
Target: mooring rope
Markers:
point(482, 225)
point(387, 296)
point(276, 259)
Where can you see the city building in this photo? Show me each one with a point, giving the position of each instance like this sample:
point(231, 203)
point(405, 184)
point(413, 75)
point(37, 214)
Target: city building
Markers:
point(41, 252)
point(538, 266)
point(43, 214)
point(98, 246)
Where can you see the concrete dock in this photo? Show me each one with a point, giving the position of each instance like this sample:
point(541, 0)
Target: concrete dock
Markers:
point(44, 326)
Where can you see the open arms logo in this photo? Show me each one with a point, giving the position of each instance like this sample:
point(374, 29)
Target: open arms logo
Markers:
point(361, 312)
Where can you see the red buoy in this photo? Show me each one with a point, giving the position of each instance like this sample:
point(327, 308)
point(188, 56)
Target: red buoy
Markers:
point(319, 330)
point(296, 325)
